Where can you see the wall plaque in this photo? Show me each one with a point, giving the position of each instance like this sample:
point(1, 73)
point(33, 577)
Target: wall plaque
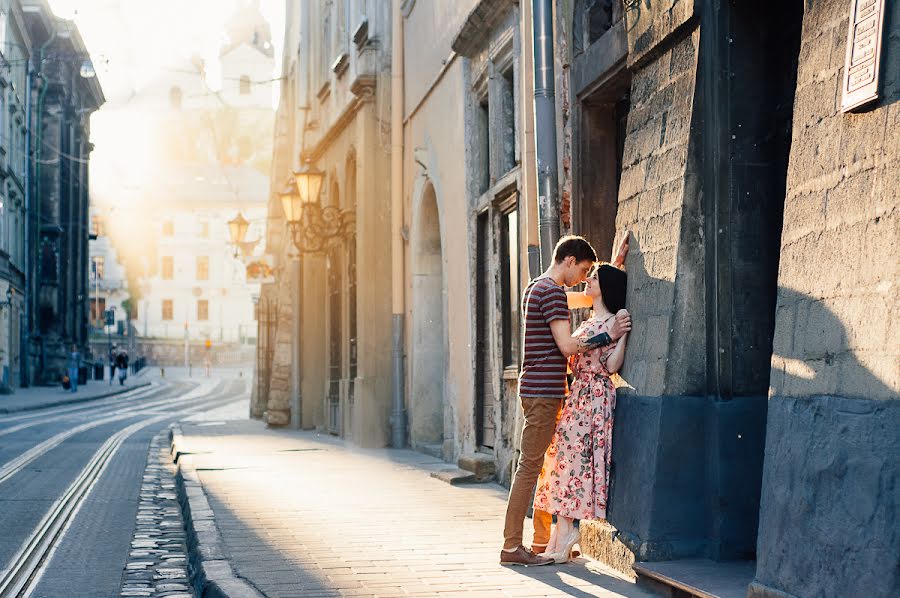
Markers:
point(861, 67)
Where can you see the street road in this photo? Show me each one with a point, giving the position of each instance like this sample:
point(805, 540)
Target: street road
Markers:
point(81, 504)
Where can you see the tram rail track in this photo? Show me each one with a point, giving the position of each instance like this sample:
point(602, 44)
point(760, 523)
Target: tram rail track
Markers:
point(43, 417)
point(15, 465)
point(20, 577)
point(90, 405)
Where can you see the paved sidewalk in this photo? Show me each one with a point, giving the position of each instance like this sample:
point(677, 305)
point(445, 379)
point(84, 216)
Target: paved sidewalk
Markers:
point(40, 397)
point(302, 514)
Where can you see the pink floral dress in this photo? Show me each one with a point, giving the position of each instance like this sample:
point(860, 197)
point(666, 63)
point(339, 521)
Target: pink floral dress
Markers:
point(574, 480)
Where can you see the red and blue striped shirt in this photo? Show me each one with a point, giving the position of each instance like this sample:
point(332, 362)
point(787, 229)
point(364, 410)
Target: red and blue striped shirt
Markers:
point(543, 366)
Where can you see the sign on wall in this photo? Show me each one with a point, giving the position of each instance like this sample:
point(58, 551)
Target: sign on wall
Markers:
point(863, 61)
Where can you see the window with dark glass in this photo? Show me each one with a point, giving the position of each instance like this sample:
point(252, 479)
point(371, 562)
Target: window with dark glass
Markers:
point(98, 263)
point(510, 285)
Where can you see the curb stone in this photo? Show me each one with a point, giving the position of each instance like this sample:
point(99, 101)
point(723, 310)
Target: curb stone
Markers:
point(208, 566)
point(74, 400)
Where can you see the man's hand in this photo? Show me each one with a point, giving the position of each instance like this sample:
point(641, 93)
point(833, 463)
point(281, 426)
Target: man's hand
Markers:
point(621, 324)
point(620, 255)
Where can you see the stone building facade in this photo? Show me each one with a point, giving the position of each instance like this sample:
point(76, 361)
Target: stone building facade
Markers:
point(64, 94)
point(759, 418)
point(332, 118)
point(14, 80)
point(757, 381)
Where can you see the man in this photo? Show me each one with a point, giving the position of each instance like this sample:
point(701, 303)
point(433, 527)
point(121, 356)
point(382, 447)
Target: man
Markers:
point(112, 363)
point(548, 343)
point(122, 365)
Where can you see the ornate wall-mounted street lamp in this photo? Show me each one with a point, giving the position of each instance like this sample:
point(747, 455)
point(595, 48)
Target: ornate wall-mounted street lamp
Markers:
point(313, 227)
point(237, 228)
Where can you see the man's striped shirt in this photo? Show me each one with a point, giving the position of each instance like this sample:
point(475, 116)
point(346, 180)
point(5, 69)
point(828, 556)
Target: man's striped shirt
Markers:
point(544, 366)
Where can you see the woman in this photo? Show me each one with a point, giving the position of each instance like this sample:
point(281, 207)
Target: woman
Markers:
point(574, 482)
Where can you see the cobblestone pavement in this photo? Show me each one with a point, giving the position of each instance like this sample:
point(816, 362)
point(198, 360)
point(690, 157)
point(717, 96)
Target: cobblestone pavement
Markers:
point(157, 564)
point(303, 514)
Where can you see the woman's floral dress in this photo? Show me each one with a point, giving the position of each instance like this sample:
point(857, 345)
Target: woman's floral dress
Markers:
point(574, 481)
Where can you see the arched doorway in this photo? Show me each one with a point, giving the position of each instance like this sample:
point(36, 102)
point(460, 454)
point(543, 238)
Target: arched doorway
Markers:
point(335, 326)
point(351, 287)
point(428, 359)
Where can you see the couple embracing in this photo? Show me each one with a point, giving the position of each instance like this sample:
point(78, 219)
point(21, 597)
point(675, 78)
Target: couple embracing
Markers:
point(566, 443)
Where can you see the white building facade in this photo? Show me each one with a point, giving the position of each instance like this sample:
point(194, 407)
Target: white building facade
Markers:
point(198, 287)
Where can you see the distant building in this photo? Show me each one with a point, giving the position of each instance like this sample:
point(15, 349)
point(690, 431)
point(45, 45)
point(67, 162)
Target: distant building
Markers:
point(208, 150)
point(15, 54)
point(64, 94)
point(108, 282)
point(196, 283)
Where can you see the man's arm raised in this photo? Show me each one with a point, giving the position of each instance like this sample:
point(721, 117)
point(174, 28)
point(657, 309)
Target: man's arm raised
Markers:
point(569, 345)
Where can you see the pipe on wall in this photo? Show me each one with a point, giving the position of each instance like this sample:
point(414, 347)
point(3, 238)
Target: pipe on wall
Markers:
point(398, 415)
point(545, 128)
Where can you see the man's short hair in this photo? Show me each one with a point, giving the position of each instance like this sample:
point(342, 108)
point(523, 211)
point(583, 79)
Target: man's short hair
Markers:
point(575, 246)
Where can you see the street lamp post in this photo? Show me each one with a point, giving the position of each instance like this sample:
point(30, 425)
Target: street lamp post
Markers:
point(110, 321)
point(313, 229)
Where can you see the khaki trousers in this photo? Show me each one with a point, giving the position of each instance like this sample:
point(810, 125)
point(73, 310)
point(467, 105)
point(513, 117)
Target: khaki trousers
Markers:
point(541, 415)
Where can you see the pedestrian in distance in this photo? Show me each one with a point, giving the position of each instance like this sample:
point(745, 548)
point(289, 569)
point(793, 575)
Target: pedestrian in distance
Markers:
point(548, 342)
point(574, 481)
point(122, 364)
point(74, 363)
point(112, 363)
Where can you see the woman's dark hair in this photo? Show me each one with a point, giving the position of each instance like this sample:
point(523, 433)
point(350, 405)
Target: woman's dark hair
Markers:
point(612, 285)
point(574, 246)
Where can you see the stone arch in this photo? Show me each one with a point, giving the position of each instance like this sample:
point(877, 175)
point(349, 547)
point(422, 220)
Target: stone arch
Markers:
point(335, 323)
point(428, 350)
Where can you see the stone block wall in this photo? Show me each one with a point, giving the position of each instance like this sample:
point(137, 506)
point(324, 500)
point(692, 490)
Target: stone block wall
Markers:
point(837, 308)
point(828, 498)
point(651, 200)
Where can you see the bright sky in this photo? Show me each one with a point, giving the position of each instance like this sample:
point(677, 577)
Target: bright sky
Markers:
point(131, 43)
point(131, 40)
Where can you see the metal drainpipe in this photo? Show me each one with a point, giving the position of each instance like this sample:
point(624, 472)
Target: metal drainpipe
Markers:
point(398, 417)
point(545, 128)
point(29, 277)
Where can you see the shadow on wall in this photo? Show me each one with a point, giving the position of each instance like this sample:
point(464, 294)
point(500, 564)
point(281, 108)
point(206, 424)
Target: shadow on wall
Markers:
point(688, 470)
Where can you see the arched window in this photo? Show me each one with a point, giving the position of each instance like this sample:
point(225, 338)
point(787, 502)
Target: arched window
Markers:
point(245, 85)
point(175, 97)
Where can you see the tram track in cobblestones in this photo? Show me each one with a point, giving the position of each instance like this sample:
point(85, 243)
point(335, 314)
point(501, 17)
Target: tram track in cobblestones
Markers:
point(123, 401)
point(27, 566)
point(93, 404)
point(10, 468)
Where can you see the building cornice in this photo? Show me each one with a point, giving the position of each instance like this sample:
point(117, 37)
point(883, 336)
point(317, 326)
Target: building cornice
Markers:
point(486, 15)
point(363, 92)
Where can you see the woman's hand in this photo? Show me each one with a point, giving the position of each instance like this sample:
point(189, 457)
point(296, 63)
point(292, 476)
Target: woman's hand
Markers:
point(621, 324)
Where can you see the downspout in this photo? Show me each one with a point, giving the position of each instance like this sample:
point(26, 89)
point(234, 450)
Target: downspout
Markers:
point(530, 236)
point(29, 276)
point(398, 417)
point(545, 128)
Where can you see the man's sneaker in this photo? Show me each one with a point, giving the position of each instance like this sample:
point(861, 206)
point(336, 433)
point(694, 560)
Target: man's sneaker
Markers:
point(523, 556)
